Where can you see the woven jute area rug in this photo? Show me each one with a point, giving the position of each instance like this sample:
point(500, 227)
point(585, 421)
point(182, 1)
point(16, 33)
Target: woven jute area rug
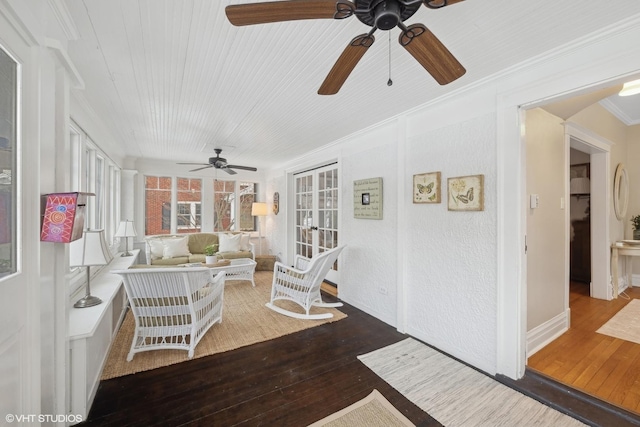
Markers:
point(372, 411)
point(455, 394)
point(625, 324)
point(245, 321)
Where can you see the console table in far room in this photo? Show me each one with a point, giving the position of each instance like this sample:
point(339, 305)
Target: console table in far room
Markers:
point(622, 248)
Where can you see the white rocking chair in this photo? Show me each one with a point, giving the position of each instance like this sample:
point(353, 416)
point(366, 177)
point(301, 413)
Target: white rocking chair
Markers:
point(173, 307)
point(301, 284)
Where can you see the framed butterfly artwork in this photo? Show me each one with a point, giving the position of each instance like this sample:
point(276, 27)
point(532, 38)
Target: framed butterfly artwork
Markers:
point(426, 188)
point(466, 193)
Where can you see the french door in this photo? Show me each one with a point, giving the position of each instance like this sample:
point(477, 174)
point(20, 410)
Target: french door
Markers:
point(316, 213)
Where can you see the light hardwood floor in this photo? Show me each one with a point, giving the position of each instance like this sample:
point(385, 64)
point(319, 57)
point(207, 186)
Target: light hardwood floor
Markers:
point(602, 366)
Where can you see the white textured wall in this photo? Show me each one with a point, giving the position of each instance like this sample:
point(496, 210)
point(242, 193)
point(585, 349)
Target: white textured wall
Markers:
point(368, 272)
point(446, 276)
point(275, 226)
point(451, 255)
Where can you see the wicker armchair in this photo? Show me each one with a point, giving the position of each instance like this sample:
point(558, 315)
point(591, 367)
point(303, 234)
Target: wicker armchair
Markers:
point(172, 307)
point(301, 284)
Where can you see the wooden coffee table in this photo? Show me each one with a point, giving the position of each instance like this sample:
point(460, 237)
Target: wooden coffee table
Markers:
point(239, 269)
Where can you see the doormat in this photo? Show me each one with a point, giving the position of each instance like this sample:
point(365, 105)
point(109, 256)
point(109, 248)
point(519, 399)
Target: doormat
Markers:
point(625, 324)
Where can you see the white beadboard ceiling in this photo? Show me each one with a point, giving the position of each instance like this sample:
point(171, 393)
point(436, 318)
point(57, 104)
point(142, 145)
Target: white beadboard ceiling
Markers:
point(173, 79)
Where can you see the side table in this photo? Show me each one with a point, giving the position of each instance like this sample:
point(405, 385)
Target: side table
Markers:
point(265, 262)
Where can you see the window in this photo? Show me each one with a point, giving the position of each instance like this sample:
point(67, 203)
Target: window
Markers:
point(224, 205)
point(247, 197)
point(8, 162)
point(99, 193)
point(157, 205)
point(176, 205)
point(189, 219)
point(92, 171)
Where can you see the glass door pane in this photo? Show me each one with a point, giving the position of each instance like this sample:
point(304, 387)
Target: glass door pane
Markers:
point(304, 216)
point(316, 213)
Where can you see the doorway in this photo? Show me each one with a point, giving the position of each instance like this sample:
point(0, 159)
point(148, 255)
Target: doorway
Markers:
point(316, 214)
point(598, 149)
point(580, 219)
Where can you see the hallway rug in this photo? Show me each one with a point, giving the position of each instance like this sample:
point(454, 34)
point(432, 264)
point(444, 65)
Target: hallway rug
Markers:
point(625, 324)
point(372, 411)
point(245, 321)
point(455, 394)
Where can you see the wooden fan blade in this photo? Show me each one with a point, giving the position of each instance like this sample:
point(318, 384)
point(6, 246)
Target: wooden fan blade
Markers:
point(229, 171)
point(191, 163)
point(425, 47)
point(246, 168)
point(199, 169)
point(291, 10)
point(345, 64)
point(437, 4)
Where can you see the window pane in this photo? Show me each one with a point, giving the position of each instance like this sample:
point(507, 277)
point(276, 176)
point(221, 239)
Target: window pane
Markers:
point(157, 205)
point(99, 193)
point(223, 205)
point(8, 173)
point(247, 197)
point(189, 201)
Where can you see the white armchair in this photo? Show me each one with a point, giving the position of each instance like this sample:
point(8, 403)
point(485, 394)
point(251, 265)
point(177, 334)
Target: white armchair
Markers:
point(172, 307)
point(301, 284)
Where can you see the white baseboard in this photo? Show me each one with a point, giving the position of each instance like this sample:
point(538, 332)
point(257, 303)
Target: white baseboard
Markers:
point(542, 335)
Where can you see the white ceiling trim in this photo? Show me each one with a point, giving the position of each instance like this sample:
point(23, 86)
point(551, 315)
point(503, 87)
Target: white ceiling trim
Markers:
point(620, 114)
point(61, 12)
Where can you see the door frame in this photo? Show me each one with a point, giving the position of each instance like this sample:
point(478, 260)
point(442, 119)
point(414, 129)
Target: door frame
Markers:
point(20, 339)
point(599, 148)
point(291, 173)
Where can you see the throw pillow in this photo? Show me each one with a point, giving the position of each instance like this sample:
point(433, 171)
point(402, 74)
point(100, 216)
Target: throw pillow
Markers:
point(177, 247)
point(229, 242)
point(156, 247)
point(244, 242)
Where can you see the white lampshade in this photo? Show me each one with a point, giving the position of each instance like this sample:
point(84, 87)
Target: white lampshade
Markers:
point(630, 88)
point(580, 185)
point(126, 229)
point(90, 249)
point(259, 209)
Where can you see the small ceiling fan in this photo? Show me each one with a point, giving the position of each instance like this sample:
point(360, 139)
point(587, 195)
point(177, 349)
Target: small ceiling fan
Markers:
point(219, 163)
point(425, 47)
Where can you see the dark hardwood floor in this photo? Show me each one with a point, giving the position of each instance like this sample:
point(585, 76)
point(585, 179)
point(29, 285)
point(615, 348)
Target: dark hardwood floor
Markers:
point(290, 381)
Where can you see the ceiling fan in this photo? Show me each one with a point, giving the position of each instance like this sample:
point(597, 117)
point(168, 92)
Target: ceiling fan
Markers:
point(219, 163)
point(421, 43)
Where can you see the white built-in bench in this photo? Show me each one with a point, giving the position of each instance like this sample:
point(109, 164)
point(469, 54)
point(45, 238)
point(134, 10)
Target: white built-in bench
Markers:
point(91, 331)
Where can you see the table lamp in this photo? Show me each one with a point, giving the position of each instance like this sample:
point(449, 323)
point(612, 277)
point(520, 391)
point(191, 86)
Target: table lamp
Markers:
point(126, 230)
point(259, 209)
point(89, 250)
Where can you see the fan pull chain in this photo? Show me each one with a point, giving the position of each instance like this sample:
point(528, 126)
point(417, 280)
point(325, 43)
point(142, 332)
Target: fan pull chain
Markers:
point(389, 82)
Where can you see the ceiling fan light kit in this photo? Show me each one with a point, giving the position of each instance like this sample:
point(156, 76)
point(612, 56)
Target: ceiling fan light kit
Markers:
point(383, 15)
point(630, 88)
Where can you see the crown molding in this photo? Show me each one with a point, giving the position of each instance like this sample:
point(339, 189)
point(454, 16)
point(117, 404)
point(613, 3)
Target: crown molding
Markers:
point(61, 12)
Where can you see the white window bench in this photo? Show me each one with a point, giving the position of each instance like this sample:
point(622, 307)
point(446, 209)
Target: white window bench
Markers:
point(91, 331)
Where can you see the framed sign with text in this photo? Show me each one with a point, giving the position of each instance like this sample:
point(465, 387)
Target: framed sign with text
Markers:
point(367, 198)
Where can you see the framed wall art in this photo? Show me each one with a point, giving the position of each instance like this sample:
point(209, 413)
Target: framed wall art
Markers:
point(466, 193)
point(426, 188)
point(367, 198)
